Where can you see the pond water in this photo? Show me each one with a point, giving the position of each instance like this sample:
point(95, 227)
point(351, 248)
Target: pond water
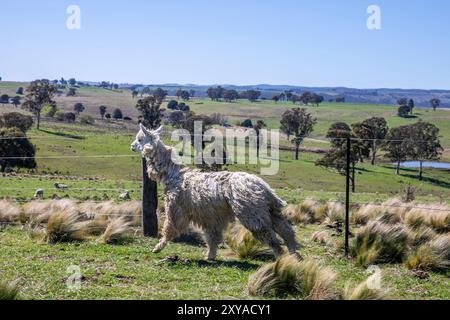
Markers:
point(416, 164)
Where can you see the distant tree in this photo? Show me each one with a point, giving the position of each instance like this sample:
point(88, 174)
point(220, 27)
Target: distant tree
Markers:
point(4, 99)
point(316, 99)
point(403, 111)
point(192, 93)
point(134, 93)
point(159, 94)
point(72, 81)
point(215, 94)
point(151, 113)
point(251, 95)
point(40, 93)
point(108, 116)
point(276, 98)
point(172, 105)
point(411, 106)
point(183, 107)
point(397, 145)
point(340, 99)
point(260, 124)
point(297, 122)
point(425, 144)
point(15, 101)
point(15, 152)
point(230, 95)
point(72, 92)
point(336, 156)
point(295, 98)
point(146, 90)
point(185, 95)
point(117, 114)
point(102, 110)
point(16, 120)
point(176, 118)
point(402, 101)
point(288, 95)
point(178, 93)
point(55, 81)
point(374, 130)
point(19, 90)
point(116, 86)
point(247, 123)
point(69, 117)
point(306, 97)
point(78, 108)
point(435, 103)
point(63, 81)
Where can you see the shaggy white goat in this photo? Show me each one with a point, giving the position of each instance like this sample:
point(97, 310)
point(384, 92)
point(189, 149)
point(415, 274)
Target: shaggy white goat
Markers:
point(212, 199)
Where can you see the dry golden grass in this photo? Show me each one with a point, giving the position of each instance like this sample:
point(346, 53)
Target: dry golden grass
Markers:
point(116, 230)
point(363, 291)
point(288, 276)
point(9, 290)
point(243, 244)
point(9, 212)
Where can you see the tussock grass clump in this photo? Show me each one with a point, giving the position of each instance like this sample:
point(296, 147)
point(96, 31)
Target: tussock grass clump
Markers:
point(389, 217)
point(244, 245)
point(320, 237)
point(287, 275)
point(303, 213)
point(363, 291)
point(420, 236)
point(364, 214)
point(414, 219)
point(116, 229)
point(434, 255)
point(440, 220)
point(397, 207)
point(9, 290)
point(64, 226)
point(295, 215)
point(380, 242)
point(333, 212)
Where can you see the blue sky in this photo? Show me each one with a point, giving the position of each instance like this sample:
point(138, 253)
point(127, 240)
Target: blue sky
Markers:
point(303, 42)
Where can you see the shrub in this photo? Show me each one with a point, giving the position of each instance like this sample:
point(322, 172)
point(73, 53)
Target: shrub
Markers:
point(117, 114)
point(380, 242)
point(287, 275)
point(8, 290)
point(16, 120)
point(86, 119)
point(49, 110)
point(364, 214)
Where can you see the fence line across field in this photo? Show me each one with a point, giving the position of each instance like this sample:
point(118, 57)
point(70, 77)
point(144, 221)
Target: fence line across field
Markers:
point(72, 189)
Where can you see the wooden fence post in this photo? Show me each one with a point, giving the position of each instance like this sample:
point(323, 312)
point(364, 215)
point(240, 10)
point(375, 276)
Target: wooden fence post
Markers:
point(149, 204)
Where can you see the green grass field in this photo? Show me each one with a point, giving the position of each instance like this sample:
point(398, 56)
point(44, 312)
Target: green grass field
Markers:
point(131, 271)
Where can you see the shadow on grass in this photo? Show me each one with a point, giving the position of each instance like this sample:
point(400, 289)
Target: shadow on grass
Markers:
point(191, 238)
point(63, 134)
point(241, 265)
point(433, 181)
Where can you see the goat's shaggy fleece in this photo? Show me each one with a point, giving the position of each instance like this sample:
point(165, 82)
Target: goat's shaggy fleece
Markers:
point(213, 199)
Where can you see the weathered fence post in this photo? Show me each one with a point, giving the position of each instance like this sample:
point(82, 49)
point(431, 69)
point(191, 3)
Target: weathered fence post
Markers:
point(149, 204)
point(347, 197)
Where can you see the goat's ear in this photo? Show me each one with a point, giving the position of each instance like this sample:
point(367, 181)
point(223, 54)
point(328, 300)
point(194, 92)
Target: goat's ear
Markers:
point(144, 129)
point(159, 130)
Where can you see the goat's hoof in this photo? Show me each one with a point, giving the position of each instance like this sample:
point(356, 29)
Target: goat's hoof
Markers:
point(156, 250)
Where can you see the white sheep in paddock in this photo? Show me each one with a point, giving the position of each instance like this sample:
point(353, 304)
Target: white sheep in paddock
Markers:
point(212, 199)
